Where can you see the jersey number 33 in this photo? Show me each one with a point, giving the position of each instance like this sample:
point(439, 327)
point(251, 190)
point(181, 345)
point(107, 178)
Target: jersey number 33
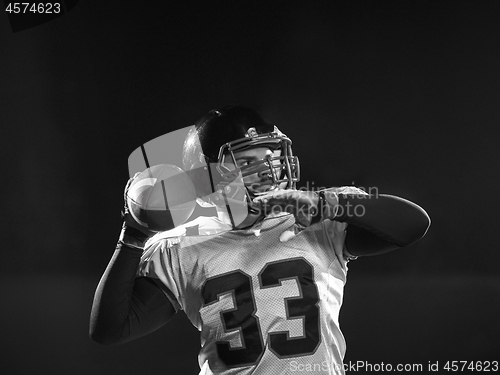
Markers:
point(242, 317)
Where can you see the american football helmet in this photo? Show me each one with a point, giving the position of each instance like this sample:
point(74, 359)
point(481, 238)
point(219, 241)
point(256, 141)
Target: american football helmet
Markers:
point(212, 142)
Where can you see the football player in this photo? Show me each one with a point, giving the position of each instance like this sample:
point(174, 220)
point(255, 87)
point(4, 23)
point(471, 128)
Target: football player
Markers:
point(263, 281)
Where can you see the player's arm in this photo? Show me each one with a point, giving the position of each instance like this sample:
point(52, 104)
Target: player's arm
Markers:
point(377, 223)
point(125, 306)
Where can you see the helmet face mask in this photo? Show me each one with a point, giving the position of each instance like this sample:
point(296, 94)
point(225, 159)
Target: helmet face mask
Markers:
point(279, 170)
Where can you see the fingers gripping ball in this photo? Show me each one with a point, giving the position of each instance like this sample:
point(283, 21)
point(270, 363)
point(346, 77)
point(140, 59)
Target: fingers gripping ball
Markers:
point(161, 197)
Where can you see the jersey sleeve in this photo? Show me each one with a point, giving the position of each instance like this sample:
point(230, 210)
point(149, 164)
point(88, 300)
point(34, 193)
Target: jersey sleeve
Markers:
point(335, 232)
point(156, 263)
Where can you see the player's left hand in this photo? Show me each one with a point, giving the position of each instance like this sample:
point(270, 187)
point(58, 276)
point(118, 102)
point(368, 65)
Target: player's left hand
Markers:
point(300, 203)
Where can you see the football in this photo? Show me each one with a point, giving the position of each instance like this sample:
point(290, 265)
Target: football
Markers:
point(161, 197)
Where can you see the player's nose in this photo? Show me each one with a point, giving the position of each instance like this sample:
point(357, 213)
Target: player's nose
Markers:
point(266, 173)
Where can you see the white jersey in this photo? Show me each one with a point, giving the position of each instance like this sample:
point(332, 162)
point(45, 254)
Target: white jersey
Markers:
point(266, 300)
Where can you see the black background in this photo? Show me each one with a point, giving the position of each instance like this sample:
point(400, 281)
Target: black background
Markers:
point(401, 96)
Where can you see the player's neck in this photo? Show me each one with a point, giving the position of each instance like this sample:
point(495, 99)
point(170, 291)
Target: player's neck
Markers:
point(240, 222)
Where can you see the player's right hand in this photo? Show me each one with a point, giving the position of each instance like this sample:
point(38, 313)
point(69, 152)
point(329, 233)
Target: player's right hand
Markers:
point(128, 219)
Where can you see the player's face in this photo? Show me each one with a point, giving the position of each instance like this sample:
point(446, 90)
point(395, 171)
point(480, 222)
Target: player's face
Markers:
point(259, 181)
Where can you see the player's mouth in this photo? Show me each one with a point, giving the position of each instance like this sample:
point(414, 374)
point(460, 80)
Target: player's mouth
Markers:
point(261, 189)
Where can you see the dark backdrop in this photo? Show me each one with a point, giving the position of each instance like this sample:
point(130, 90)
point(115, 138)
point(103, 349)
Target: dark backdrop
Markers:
point(400, 95)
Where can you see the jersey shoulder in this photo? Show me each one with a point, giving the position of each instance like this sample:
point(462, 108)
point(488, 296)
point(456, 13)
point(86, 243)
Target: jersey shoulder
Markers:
point(201, 226)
